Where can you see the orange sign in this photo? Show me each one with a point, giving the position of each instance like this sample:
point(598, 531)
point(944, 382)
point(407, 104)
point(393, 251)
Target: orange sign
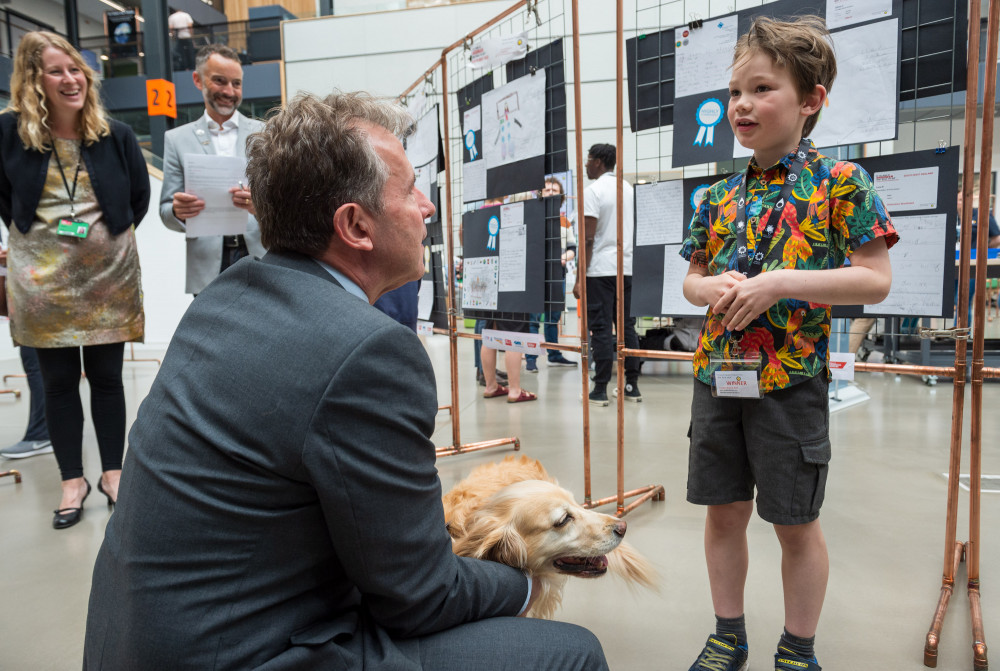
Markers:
point(161, 98)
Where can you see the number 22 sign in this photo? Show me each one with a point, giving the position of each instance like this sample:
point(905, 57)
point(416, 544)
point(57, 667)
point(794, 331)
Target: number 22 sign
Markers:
point(161, 98)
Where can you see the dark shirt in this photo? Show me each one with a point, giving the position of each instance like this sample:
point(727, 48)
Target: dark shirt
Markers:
point(994, 228)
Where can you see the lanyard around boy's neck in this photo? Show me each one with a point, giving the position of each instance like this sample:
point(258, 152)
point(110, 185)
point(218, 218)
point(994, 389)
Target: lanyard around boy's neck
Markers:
point(751, 266)
point(69, 192)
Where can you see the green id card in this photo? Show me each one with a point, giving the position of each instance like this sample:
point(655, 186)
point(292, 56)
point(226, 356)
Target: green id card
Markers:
point(75, 229)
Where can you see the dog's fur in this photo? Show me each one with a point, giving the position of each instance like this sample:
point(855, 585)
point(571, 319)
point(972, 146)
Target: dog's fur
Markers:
point(514, 513)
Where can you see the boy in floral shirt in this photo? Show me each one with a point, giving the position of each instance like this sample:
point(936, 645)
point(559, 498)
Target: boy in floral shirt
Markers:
point(760, 413)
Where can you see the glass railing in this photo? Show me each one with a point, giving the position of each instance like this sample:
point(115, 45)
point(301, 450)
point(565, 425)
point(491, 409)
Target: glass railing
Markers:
point(13, 25)
point(255, 41)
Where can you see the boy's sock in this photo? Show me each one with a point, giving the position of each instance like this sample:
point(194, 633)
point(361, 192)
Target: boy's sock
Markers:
point(803, 647)
point(736, 626)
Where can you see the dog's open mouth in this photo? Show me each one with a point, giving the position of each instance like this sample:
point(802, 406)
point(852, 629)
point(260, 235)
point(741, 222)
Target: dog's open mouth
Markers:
point(584, 567)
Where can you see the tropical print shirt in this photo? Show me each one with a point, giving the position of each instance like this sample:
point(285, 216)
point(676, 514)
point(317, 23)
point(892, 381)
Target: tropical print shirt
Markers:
point(833, 210)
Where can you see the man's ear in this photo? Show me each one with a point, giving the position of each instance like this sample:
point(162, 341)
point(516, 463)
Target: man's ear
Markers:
point(813, 101)
point(196, 78)
point(353, 225)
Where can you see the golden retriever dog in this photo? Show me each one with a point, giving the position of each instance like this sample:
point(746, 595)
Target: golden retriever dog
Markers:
point(514, 513)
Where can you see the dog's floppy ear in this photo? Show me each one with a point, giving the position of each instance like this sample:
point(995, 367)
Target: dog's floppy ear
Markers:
point(626, 562)
point(488, 537)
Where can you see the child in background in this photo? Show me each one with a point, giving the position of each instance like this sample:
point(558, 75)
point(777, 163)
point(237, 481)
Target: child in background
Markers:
point(767, 249)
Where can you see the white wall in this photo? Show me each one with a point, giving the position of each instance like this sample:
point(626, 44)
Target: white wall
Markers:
point(162, 258)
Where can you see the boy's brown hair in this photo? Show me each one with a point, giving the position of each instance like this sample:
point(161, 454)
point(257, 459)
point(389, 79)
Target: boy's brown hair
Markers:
point(802, 46)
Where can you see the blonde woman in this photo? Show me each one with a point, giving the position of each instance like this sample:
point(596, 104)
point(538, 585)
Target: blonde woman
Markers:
point(73, 183)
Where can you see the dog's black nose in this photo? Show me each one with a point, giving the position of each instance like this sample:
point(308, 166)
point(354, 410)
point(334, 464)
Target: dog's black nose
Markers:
point(619, 528)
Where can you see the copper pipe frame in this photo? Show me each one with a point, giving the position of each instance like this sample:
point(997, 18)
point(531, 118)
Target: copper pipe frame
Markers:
point(947, 588)
point(14, 473)
point(978, 346)
point(5, 377)
point(131, 356)
point(16, 392)
point(581, 259)
point(955, 457)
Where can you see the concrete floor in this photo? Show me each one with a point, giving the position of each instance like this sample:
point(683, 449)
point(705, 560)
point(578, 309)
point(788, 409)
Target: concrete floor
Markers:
point(884, 520)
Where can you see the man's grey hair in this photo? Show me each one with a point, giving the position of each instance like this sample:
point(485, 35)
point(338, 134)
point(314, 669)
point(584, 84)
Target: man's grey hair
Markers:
point(209, 50)
point(314, 156)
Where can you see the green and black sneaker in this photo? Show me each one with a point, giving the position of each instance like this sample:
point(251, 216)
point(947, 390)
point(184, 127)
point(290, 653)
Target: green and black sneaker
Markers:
point(722, 654)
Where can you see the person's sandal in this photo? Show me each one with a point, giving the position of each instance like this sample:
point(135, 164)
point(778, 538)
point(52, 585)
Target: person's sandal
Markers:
point(500, 391)
point(525, 396)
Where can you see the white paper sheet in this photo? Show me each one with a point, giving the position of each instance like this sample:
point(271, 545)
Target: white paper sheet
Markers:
point(917, 267)
point(910, 189)
point(704, 56)
point(842, 365)
point(512, 214)
point(840, 13)
point(513, 257)
point(425, 328)
point(862, 104)
point(659, 213)
point(426, 177)
point(492, 52)
point(210, 177)
point(529, 343)
point(480, 279)
point(675, 269)
point(474, 181)
point(422, 144)
point(472, 119)
point(425, 299)
point(514, 120)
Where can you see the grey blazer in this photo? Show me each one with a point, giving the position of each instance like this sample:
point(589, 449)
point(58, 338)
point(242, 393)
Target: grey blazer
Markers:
point(204, 255)
point(280, 506)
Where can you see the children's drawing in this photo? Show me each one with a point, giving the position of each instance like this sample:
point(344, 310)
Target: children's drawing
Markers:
point(514, 121)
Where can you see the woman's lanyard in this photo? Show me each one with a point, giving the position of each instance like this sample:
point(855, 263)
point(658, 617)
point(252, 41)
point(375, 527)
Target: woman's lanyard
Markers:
point(744, 264)
point(751, 267)
point(76, 175)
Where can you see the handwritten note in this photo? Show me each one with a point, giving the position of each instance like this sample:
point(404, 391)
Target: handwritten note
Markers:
point(513, 257)
point(863, 103)
point(704, 56)
point(512, 214)
point(917, 268)
point(675, 269)
point(911, 189)
point(474, 181)
point(422, 144)
point(659, 213)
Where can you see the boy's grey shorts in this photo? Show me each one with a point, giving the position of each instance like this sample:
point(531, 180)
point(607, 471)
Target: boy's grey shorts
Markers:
point(779, 444)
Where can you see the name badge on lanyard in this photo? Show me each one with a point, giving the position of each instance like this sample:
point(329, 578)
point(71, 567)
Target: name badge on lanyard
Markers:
point(735, 375)
point(70, 226)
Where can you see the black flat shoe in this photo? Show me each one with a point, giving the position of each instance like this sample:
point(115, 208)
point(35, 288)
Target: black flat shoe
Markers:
point(64, 518)
point(111, 502)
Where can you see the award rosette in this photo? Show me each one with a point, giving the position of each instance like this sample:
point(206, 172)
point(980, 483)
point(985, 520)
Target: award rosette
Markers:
point(493, 227)
point(708, 115)
point(470, 144)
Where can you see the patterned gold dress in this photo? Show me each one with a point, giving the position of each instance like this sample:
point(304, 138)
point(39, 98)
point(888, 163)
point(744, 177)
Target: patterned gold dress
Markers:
point(66, 291)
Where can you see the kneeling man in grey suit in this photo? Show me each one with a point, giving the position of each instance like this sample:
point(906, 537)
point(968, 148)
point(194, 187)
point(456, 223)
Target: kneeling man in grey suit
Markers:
point(279, 505)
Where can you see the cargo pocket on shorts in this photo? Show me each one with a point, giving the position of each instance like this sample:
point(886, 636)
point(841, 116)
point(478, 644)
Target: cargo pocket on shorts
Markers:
point(810, 483)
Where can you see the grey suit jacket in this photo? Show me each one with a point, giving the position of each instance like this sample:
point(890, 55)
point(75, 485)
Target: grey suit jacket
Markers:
point(279, 505)
point(204, 255)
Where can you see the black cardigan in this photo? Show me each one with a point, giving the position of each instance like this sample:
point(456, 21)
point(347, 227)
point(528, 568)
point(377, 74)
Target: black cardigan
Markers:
point(114, 163)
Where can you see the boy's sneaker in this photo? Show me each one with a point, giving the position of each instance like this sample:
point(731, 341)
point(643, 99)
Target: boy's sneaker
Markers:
point(721, 654)
point(599, 397)
point(27, 448)
point(531, 365)
point(785, 660)
point(560, 360)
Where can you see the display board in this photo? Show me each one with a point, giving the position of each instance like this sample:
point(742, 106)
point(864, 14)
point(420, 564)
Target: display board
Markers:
point(931, 57)
point(919, 190)
point(549, 57)
point(513, 135)
point(434, 277)
point(663, 212)
point(473, 163)
point(504, 268)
